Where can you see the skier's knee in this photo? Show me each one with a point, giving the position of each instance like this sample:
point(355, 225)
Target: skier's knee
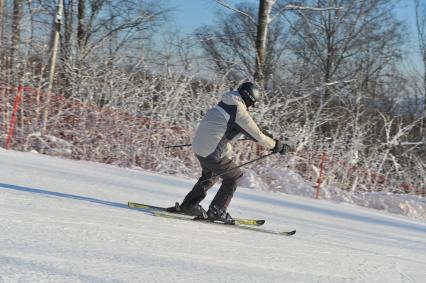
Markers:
point(207, 184)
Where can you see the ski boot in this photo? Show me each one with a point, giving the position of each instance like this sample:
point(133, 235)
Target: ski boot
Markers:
point(192, 210)
point(216, 214)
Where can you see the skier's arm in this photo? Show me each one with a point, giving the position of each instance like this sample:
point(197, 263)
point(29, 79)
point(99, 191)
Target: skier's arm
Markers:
point(247, 125)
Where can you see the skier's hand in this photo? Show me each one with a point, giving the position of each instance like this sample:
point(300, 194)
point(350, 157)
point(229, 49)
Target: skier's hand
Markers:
point(281, 147)
point(268, 134)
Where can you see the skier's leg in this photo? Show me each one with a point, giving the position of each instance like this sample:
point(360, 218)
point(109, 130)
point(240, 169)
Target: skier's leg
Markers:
point(190, 204)
point(218, 206)
point(199, 191)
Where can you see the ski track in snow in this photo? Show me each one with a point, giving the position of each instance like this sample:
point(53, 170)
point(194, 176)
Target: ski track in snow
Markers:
point(68, 221)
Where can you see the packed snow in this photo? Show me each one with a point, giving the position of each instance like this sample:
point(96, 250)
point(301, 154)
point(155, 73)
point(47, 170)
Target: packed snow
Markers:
point(68, 221)
point(288, 181)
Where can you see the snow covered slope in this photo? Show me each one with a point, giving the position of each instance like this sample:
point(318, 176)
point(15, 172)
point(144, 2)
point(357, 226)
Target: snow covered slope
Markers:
point(67, 221)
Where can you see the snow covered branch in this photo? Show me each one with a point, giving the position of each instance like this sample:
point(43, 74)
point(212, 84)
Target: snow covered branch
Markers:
point(301, 8)
point(226, 5)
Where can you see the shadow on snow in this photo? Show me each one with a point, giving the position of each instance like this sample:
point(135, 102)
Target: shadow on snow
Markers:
point(61, 195)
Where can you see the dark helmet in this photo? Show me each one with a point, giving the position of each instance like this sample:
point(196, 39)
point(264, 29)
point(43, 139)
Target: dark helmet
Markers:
point(249, 93)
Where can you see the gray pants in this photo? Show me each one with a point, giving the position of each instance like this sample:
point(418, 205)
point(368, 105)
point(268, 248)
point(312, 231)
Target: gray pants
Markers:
point(211, 167)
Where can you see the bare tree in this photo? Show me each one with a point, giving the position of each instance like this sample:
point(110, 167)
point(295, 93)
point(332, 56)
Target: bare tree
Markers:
point(265, 7)
point(2, 34)
point(261, 26)
point(68, 29)
point(420, 7)
point(261, 35)
point(361, 37)
point(241, 47)
point(102, 30)
point(81, 23)
point(104, 19)
point(1, 22)
point(16, 31)
point(54, 45)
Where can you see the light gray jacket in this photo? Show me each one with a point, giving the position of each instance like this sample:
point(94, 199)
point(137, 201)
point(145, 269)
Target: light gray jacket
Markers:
point(225, 122)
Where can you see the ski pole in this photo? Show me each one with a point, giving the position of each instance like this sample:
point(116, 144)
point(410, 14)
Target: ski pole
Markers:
point(189, 144)
point(178, 145)
point(241, 165)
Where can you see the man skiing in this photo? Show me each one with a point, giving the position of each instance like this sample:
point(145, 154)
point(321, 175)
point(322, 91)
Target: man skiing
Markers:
point(223, 123)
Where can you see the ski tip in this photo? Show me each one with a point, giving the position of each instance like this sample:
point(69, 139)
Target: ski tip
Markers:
point(290, 233)
point(136, 205)
point(251, 222)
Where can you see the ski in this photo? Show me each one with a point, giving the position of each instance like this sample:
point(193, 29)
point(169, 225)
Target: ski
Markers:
point(162, 212)
point(241, 221)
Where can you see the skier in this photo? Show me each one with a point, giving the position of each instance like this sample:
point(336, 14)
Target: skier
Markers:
point(223, 123)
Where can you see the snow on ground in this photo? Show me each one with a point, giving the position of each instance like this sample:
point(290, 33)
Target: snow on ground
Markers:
point(67, 221)
point(289, 182)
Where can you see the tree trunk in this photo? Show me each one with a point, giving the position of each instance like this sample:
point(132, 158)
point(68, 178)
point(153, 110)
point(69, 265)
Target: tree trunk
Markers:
point(265, 7)
point(66, 54)
point(1, 22)
point(53, 53)
point(16, 33)
point(420, 9)
point(80, 27)
point(68, 29)
point(2, 42)
point(424, 83)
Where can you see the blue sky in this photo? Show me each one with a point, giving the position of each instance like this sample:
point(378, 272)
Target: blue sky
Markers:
point(191, 14)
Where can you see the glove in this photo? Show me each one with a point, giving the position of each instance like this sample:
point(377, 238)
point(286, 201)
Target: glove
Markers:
point(281, 147)
point(268, 134)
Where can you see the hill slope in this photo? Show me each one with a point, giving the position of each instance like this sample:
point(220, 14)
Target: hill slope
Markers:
point(67, 221)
